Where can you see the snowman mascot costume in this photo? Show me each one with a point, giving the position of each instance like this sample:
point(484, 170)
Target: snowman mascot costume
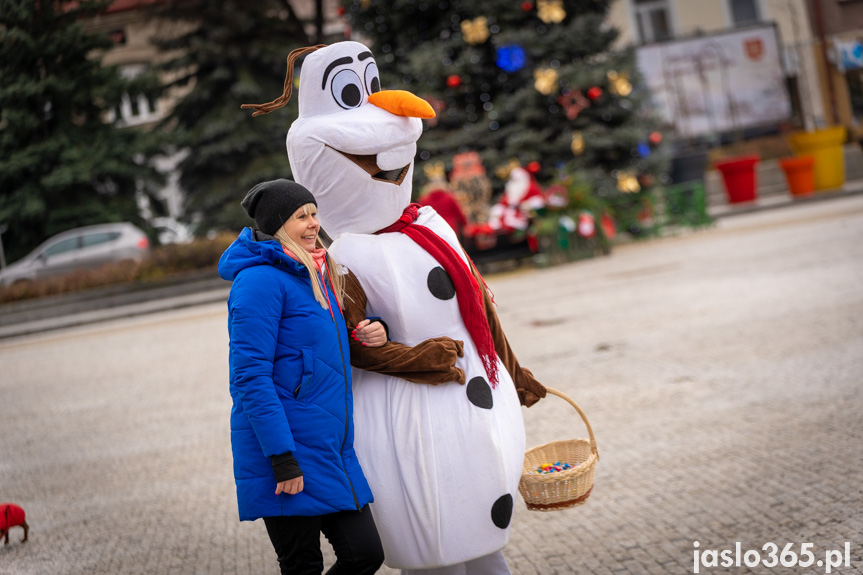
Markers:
point(438, 424)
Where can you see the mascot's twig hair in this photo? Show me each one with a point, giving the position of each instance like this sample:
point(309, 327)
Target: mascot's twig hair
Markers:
point(289, 83)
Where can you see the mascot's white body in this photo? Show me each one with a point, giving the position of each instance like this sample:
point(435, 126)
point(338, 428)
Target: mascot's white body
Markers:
point(443, 461)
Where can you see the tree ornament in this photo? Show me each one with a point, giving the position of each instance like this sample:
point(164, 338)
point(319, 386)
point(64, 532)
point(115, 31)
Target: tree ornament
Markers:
point(550, 11)
point(573, 102)
point(627, 182)
point(545, 81)
point(526, 6)
point(453, 81)
point(533, 167)
point(502, 172)
point(655, 138)
point(594, 93)
point(365, 4)
point(643, 149)
point(340, 11)
point(435, 171)
point(475, 31)
point(437, 105)
point(510, 58)
point(586, 225)
point(619, 84)
point(577, 145)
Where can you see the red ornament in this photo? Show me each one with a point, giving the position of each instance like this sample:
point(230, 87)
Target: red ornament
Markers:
point(526, 6)
point(533, 167)
point(594, 93)
point(655, 138)
point(340, 10)
point(453, 81)
point(608, 227)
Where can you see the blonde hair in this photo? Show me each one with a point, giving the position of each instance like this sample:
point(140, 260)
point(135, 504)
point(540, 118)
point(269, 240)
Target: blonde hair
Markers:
point(337, 280)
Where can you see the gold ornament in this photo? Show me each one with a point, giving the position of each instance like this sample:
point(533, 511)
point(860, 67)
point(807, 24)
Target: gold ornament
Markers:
point(577, 145)
point(619, 83)
point(628, 183)
point(545, 81)
point(502, 172)
point(435, 171)
point(365, 4)
point(550, 11)
point(475, 31)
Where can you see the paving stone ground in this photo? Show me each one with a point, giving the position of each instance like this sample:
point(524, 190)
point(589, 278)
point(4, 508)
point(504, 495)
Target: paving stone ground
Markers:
point(722, 372)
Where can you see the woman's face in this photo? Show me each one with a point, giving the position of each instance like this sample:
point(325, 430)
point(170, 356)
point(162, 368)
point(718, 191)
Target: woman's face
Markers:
point(303, 227)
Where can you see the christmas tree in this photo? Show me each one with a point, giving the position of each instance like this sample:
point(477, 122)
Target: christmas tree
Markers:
point(224, 53)
point(532, 82)
point(63, 164)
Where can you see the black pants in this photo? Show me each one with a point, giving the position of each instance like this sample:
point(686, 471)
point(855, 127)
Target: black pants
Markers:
point(353, 535)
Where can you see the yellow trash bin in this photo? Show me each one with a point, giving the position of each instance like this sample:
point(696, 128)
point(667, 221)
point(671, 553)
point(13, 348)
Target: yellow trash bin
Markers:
point(826, 146)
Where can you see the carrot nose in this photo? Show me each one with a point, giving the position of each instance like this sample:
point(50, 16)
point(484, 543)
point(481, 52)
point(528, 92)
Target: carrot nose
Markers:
point(402, 103)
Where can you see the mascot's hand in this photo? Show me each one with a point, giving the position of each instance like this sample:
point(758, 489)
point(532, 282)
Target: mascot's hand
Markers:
point(529, 389)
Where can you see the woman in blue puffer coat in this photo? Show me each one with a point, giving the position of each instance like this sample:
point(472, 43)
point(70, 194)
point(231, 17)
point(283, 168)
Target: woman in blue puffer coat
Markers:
point(292, 420)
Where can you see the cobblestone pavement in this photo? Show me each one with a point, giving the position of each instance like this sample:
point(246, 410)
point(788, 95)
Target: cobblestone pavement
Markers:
point(722, 372)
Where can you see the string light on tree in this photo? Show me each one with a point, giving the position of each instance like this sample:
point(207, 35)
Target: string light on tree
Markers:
point(655, 138)
point(453, 81)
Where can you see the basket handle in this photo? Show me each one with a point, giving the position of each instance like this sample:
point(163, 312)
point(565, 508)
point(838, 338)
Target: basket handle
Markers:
point(569, 400)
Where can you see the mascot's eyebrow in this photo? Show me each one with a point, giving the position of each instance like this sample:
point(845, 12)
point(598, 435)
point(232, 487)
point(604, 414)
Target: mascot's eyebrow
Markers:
point(364, 55)
point(333, 64)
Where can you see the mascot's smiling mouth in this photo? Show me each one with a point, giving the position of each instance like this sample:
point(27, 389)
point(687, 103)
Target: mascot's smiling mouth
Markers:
point(369, 165)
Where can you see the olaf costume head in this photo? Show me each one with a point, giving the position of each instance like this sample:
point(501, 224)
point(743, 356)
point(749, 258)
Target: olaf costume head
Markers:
point(354, 144)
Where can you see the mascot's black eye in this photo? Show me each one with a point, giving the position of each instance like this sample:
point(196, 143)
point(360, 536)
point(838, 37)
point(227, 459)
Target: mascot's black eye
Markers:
point(347, 89)
point(373, 82)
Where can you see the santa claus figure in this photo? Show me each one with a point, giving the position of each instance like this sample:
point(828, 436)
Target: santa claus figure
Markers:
point(521, 196)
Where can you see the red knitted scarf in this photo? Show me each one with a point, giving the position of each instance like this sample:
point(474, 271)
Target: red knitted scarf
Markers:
point(468, 292)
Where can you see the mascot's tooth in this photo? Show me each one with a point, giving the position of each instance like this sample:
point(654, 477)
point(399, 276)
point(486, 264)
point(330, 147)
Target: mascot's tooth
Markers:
point(396, 158)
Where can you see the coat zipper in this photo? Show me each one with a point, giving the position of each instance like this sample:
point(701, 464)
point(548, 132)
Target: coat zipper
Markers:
point(347, 413)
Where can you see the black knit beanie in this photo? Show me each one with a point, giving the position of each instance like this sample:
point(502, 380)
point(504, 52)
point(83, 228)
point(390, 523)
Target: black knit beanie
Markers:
point(271, 204)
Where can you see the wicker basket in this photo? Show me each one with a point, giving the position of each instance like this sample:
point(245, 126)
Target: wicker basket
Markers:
point(562, 489)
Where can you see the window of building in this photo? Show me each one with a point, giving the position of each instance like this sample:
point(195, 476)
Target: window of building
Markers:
point(744, 12)
point(133, 111)
point(653, 18)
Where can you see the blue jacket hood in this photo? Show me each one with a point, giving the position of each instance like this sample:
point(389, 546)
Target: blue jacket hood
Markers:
point(254, 248)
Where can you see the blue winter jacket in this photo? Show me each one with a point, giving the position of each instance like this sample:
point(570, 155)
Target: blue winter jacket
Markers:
point(291, 385)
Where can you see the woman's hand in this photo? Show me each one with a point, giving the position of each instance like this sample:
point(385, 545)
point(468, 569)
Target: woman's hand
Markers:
point(370, 333)
point(291, 486)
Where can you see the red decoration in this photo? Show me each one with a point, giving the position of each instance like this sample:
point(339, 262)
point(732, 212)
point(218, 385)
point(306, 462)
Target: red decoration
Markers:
point(526, 6)
point(608, 227)
point(340, 10)
point(655, 138)
point(573, 102)
point(594, 93)
point(453, 81)
point(533, 167)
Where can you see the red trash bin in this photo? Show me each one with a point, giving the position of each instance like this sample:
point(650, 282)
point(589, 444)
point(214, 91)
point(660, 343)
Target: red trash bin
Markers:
point(739, 176)
point(799, 174)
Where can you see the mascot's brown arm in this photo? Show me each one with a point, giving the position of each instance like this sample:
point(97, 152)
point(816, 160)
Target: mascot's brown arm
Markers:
point(431, 361)
point(529, 389)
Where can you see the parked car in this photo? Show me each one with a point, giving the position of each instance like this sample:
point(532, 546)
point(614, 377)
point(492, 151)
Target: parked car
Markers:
point(80, 248)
